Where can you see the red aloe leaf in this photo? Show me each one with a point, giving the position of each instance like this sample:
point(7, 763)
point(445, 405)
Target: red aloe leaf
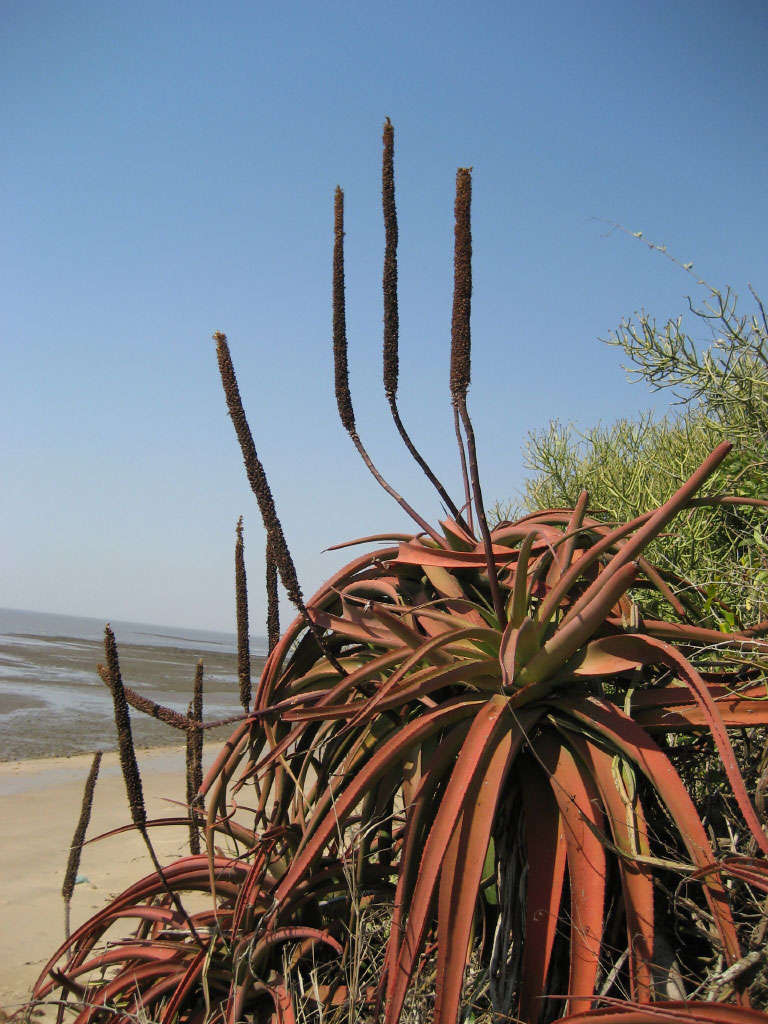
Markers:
point(127, 952)
point(484, 674)
point(504, 536)
point(128, 980)
point(601, 659)
point(328, 592)
point(251, 885)
point(418, 554)
point(653, 527)
point(365, 629)
point(181, 990)
point(668, 1012)
point(545, 856)
point(377, 537)
point(636, 878)
point(531, 681)
point(414, 687)
point(625, 735)
point(489, 724)
point(417, 816)
point(444, 583)
point(456, 535)
point(432, 648)
point(223, 756)
point(392, 751)
point(681, 632)
point(734, 710)
point(354, 680)
point(186, 873)
point(149, 914)
point(518, 646)
point(747, 869)
point(651, 650)
point(289, 934)
point(283, 1005)
point(518, 602)
point(148, 1002)
point(647, 525)
point(564, 551)
point(651, 573)
point(578, 801)
point(461, 874)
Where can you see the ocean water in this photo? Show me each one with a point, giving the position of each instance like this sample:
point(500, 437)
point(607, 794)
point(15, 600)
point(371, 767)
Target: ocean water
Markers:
point(52, 701)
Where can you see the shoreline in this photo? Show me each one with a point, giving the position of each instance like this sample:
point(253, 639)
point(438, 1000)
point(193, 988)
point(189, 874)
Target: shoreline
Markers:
point(212, 737)
point(39, 805)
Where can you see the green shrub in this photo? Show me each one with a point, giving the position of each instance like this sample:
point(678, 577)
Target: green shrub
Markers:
point(721, 390)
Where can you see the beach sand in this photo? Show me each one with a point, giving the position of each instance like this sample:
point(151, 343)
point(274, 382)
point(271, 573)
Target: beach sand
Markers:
point(39, 806)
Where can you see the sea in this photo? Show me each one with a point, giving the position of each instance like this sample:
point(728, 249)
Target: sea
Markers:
point(53, 702)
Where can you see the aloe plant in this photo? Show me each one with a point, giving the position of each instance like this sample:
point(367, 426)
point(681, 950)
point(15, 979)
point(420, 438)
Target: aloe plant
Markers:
point(478, 730)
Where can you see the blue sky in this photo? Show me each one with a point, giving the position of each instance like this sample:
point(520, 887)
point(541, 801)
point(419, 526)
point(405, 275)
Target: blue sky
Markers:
point(168, 170)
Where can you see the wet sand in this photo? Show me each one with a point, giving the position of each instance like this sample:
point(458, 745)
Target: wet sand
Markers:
point(39, 807)
point(53, 703)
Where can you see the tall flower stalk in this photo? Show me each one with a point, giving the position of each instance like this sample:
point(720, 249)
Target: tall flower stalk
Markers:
point(194, 758)
point(273, 610)
point(260, 486)
point(341, 369)
point(391, 360)
point(73, 862)
point(461, 347)
point(241, 615)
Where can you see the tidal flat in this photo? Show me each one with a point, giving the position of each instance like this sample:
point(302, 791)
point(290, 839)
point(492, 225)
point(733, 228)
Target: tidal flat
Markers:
point(53, 702)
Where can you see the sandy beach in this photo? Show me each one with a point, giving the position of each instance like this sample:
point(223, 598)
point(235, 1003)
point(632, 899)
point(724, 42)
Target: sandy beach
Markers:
point(39, 806)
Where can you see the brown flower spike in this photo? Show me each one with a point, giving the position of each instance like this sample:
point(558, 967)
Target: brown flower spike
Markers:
point(241, 606)
point(128, 761)
point(73, 862)
point(273, 610)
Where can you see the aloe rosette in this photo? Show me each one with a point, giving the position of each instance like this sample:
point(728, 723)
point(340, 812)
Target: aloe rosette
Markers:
point(442, 711)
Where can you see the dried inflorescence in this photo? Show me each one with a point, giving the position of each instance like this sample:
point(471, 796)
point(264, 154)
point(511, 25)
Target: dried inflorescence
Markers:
point(341, 369)
point(73, 862)
point(256, 475)
point(462, 288)
point(273, 610)
point(241, 605)
point(391, 314)
point(128, 761)
point(146, 706)
point(194, 758)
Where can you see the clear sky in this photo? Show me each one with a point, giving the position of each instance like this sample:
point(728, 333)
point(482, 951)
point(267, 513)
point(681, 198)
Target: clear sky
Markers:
point(168, 170)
